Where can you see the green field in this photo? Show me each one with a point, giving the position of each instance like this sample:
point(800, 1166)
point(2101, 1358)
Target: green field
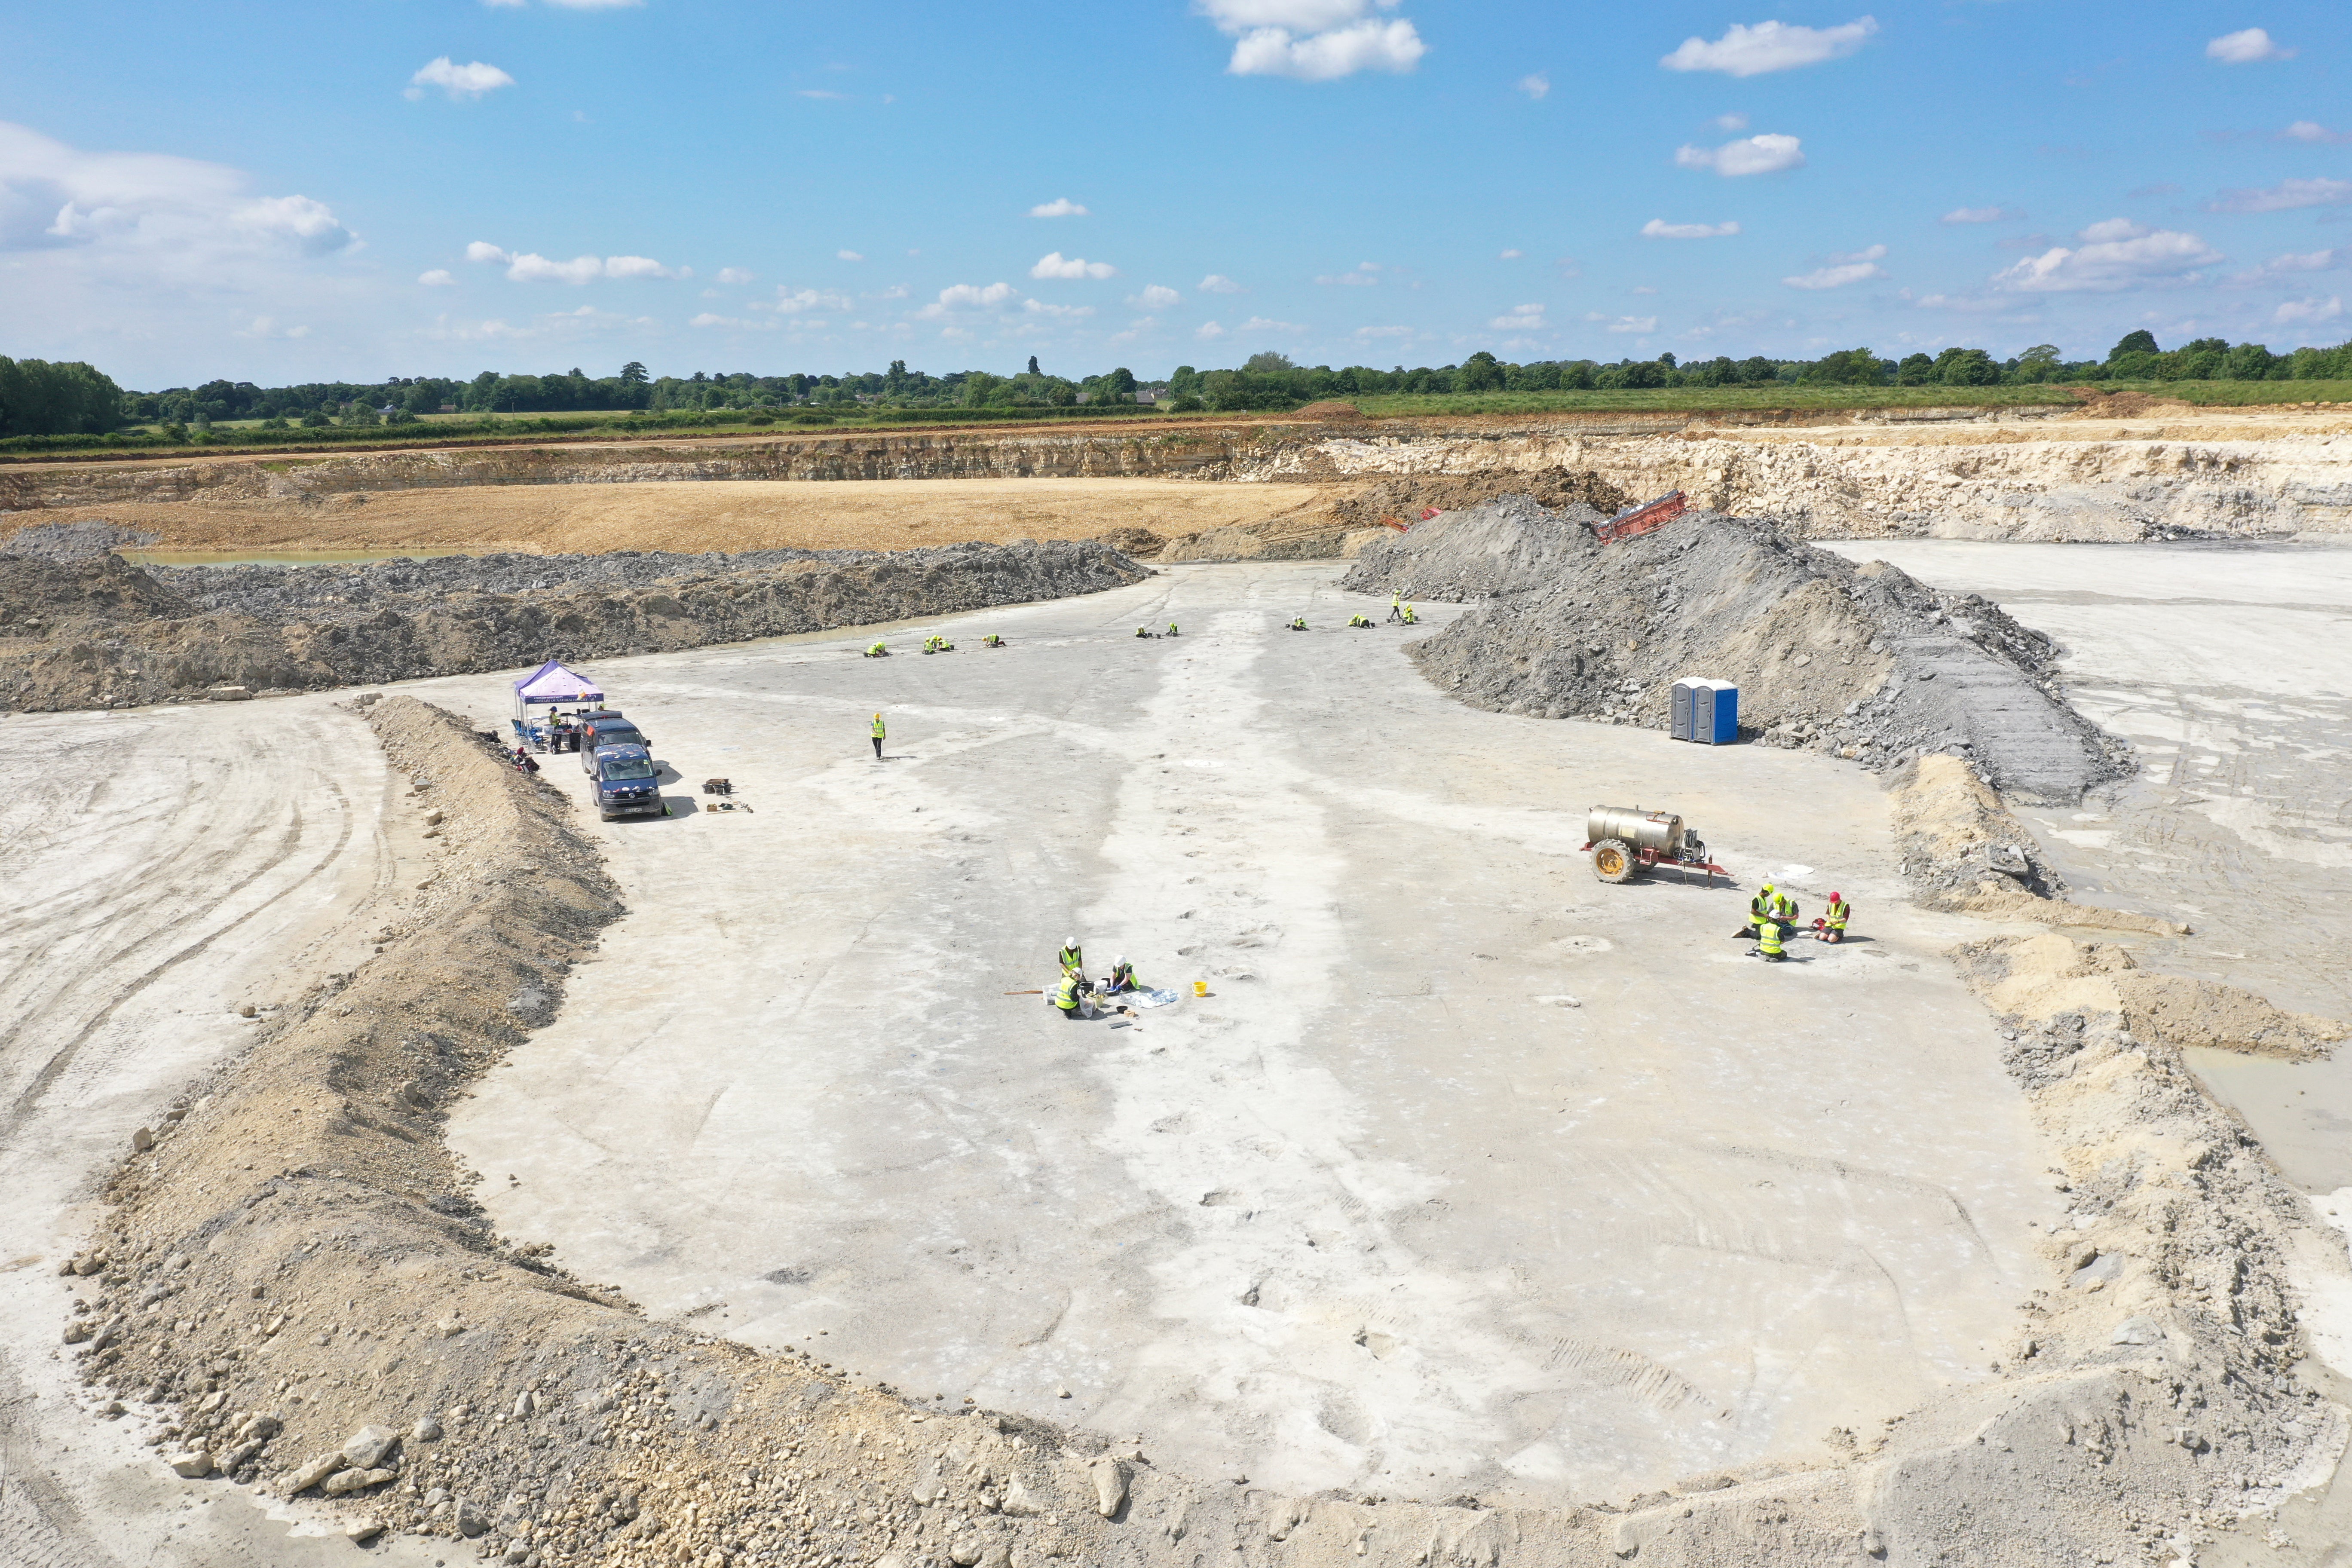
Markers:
point(468, 429)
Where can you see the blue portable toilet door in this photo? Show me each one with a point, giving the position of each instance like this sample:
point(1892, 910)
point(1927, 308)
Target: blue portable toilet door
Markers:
point(1723, 728)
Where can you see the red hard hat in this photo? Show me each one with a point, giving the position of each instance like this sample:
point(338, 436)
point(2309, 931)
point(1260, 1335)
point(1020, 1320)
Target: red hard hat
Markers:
point(1837, 895)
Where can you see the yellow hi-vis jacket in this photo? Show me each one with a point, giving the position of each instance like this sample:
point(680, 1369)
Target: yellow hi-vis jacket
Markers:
point(1837, 913)
point(877, 730)
point(1122, 978)
point(1066, 996)
point(1768, 936)
point(1072, 959)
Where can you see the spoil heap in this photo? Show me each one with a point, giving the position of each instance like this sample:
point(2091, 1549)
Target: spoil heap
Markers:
point(1862, 661)
point(100, 633)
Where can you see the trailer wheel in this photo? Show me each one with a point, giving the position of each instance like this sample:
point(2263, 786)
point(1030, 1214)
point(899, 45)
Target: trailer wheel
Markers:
point(1612, 860)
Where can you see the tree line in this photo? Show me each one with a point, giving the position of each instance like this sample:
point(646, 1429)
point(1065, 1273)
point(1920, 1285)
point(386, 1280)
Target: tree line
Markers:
point(41, 398)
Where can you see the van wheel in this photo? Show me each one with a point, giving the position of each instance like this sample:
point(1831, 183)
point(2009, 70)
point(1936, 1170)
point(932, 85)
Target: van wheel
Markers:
point(1612, 860)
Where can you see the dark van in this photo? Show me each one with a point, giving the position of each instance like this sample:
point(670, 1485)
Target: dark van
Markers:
point(624, 781)
point(608, 730)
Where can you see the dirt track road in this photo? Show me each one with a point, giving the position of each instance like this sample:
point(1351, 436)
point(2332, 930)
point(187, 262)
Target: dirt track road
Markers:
point(165, 867)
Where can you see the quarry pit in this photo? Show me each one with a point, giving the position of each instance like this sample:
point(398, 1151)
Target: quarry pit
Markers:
point(1480, 1212)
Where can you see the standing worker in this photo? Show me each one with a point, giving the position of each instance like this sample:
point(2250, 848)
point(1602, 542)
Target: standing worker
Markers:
point(1396, 606)
point(879, 733)
point(1831, 927)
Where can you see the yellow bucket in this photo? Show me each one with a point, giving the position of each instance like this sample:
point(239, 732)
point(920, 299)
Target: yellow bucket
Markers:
point(1199, 989)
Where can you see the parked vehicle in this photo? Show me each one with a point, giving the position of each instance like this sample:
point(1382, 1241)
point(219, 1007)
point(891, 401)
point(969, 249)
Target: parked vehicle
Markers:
point(624, 782)
point(608, 730)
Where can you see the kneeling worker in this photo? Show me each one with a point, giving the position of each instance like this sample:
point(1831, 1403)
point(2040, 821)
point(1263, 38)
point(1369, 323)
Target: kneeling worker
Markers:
point(1068, 997)
point(1299, 623)
point(991, 640)
point(877, 651)
point(1768, 942)
point(1831, 927)
point(1141, 633)
point(1410, 618)
point(1122, 978)
point(1360, 620)
point(1171, 628)
point(1760, 911)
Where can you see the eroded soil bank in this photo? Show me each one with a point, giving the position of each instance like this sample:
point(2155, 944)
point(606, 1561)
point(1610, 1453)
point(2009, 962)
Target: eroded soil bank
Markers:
point(97, 632)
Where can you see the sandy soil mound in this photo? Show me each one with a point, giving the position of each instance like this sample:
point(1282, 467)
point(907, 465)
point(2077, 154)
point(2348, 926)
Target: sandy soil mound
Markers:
point(104, 634)
point(1864, 662)
point(560, 513)
point(2035, 979)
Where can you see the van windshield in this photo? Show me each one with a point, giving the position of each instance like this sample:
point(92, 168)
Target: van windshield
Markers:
point(629, 768)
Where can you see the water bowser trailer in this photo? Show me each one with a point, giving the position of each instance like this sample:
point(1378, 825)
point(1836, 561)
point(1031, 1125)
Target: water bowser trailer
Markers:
point(1626, 840)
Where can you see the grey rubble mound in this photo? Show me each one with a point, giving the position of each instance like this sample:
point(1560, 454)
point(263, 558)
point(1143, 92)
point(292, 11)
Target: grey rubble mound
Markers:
point(83, 541)
point(1862, 661)
point(100, 633)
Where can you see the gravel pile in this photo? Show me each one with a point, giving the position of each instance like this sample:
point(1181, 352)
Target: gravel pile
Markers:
point(103, 634)
point(83, 541)
point(1864, 662)
point(333, 591)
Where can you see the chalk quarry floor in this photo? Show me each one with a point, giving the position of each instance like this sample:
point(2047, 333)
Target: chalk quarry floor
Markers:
point(1470, 1174)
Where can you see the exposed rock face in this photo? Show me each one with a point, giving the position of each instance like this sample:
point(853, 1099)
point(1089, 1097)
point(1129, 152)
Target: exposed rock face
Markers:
point(1862, 661)
point(101, 633)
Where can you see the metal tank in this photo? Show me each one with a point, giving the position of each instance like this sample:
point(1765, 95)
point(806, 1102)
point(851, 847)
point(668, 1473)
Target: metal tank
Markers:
point(1660, 832)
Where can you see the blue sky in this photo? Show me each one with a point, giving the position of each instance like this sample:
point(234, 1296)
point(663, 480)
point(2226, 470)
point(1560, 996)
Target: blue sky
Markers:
point(275, 191)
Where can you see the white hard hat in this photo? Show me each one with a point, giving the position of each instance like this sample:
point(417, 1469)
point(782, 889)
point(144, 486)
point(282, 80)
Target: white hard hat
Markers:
point(1069, 941)
point(1120, 959)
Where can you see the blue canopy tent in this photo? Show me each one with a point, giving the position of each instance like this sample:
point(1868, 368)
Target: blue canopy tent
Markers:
point(549, 686)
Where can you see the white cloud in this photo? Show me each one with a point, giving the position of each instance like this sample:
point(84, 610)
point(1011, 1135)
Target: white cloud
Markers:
point(1039, 307)
point(968, 297)
point(1218, 283)
point(1365, 275)
point(1534, 84)
point(437, 279)
point(2311, 130)
point(895, 291)
point(1735, 120)
point(1266, 324)
point(470, 80)
point(736, 323)
point(635, 267)
point(1979, 214)
point(2244, 48)
point(1628, 323)
point(532, 267)
point(1659, 228)
point(1511, 256)
point(265, 327)
point(595, 5)
point(1371, 333)
point(1157, 296)
point(1765, 154)
point(1055, 264)
point(824, 95)
point(1208, 331)
point(847, 256)
point(2303, 261)
point(1314, 40)
point(2115, 255)
point(733, 275)
point(1521, 318)
point(2309, 311)
point(1843, 270)
point(1060, 206)
point(2284, 196)
point(1770, 46)
point(792, 301)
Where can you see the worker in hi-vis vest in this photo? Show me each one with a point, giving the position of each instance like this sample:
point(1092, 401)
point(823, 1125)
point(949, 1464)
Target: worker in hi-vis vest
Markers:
point(1122, 978)
point(1760, 911)
point(1396, 606)
point(878, 733)
point(1831, 927)
point(1065, 996)
point(1072, 958)
point(1767, 941)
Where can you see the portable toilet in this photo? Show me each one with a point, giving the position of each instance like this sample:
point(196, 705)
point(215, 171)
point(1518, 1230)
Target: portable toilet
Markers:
point(1715, 712)
point(1706, 710)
